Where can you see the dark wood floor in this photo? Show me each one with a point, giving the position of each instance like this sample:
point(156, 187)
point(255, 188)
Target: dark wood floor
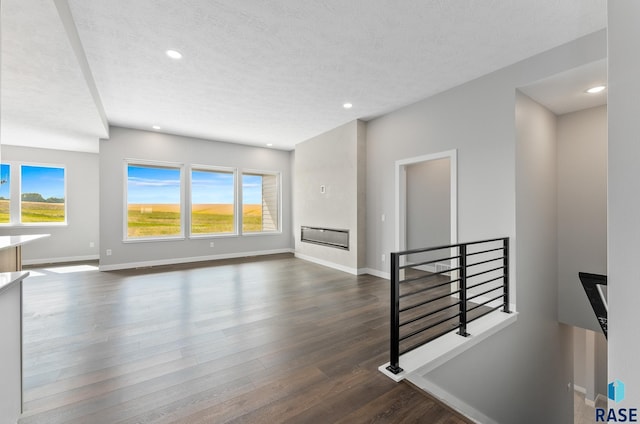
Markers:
point(270, 340)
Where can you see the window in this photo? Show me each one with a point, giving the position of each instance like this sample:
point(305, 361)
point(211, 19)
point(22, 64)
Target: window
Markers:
point(212, 201)
point(5, 194)
point(42, 194)
point(154, 201)
point(260, 202)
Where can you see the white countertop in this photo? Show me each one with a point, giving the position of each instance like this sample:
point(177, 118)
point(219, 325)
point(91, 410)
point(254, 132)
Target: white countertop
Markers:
point(9, 278)
point(13, 241)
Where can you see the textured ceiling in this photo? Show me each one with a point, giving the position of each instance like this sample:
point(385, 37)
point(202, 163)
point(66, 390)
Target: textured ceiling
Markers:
point(45, 99)
point(278, 72)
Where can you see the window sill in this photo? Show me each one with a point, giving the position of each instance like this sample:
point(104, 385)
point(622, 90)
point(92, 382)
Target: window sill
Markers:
point(154, 239)
point(36, 225)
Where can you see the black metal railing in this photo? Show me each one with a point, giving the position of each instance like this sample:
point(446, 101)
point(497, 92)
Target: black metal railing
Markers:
point(440, 289)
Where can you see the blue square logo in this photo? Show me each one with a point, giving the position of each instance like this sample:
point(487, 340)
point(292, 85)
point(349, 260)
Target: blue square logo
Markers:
point(616, 390)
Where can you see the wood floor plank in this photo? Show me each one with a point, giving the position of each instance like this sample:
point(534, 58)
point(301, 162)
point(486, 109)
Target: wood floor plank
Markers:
point(261, 340)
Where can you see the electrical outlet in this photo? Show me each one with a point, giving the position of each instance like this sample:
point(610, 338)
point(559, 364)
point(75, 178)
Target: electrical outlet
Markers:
point(384, 257)
point(383, 218)
point(92, 244)
point(212, 244)
point(108, 252)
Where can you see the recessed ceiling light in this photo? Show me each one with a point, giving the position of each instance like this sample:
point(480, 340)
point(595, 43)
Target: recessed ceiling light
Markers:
point(174, 54)
point(269, 144)
point(347, 105)
point(596, 89)
point(156, 127)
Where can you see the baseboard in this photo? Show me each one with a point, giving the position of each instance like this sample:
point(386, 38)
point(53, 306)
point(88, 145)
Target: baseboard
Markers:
point(451, 401)
point(329, 264)
point(45, 261)
point(175, 261)
point(589, 402)
point(377, 273)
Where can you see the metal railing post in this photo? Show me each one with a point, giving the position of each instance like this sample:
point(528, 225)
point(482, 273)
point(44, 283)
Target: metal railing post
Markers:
point(506, 307)
point(462, 328)
point(394, 337)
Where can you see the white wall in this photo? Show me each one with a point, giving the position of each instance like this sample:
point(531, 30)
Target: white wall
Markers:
point(72, 241)
point(335, 159)
point(145, 145)
point(582, 210)
point(523, 371)
point(623, 196)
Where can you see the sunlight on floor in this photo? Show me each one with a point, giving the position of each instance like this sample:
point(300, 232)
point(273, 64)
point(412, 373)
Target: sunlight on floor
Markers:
point(71, 269)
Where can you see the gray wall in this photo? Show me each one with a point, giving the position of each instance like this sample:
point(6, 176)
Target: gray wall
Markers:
point(582, 210)
point(335, 159)
point(135, 144)
point(520, 374)
point(623, 200)
point(70, 242)
point(533, 366)
point(428, 204)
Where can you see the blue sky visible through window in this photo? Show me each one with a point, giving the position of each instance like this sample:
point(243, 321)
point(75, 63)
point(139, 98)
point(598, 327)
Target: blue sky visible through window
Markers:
point(153, 185)
point(5, 176)
point(252, 189)
point(150, 185)
point(48, 182)
point(210, 187)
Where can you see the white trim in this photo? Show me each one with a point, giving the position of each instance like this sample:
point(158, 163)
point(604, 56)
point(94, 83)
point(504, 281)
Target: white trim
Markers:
point(400, 188)
point(175, 261)
point(377, 273)
point(354, 271)
point(258, 172)
point(592, 403)
point(452, 401)
point(144, 163)
point(44, 261)
point(18, 205)
point(579, 389)
point(189, 199)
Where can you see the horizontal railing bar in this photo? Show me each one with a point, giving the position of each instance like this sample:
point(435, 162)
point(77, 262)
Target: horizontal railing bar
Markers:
point(485, 251)
point(484, 241)
point(430, 339)
point(493, 308)
point(485, 262)
point(408, 308)
point(484, 272)
point(429, 288)
point(448, 246)
point(427, 315)
point(484, 303)
point(486, 282)
point(423, 277)
point(414, 333)
point(484, 292)
point(411, 265)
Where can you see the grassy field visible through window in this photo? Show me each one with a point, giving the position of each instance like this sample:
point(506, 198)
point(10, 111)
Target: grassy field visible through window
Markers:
point(42, 212)
point(5, 217)
point(153, 220)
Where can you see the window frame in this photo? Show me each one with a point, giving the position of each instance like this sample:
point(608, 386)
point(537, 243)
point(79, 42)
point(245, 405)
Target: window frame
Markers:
point(236, 203)
point(260, 172)
point(11, 195)
point(16, 220)
point(125, 210)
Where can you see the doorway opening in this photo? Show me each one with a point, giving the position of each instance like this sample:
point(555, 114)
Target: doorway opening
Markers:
point(426, 201)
